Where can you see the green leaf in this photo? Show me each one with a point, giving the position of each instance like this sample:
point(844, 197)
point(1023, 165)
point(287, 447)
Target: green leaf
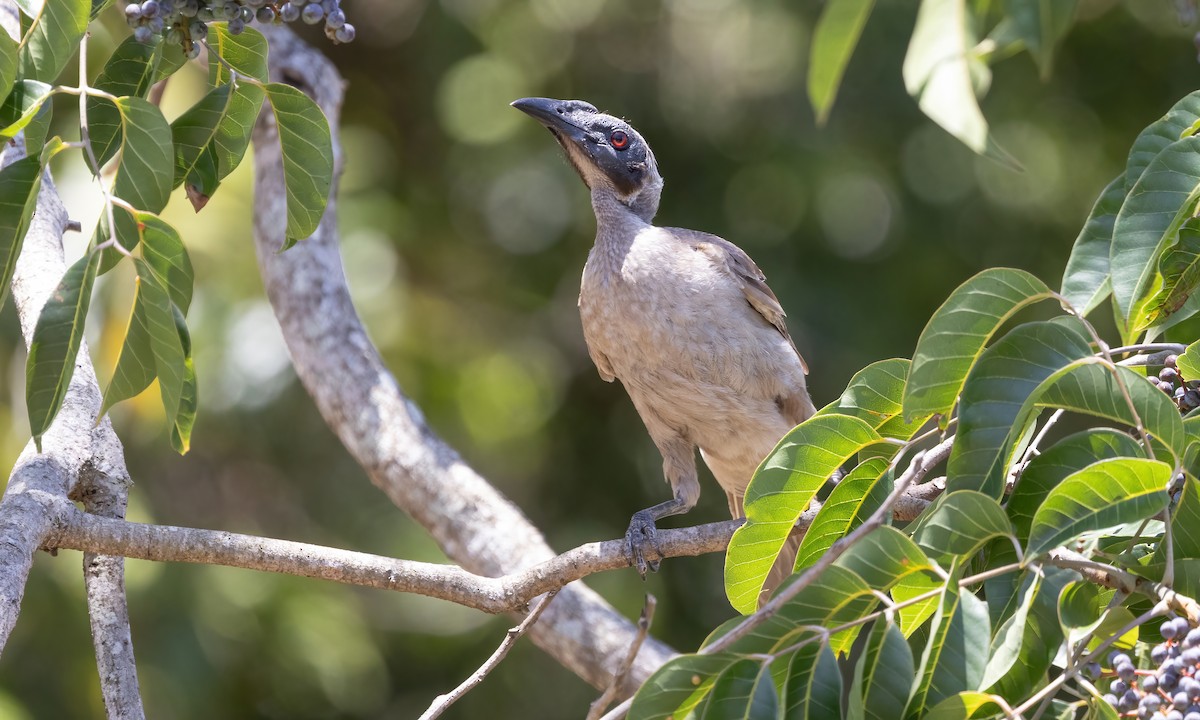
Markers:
point(1174, 280)
point(855, 498)
point(194, 133)
point(53, 38)
point(1085, 282)
point(939, 69)
point(1188, 362)
point(884, 557)
point(165, 344)
point(957, 333)
point(144, 172)
point(914, 616)
point(307, 158)
point(1056, 463)
point(1185, 524)
point(1089, 387)
point(8, 62)
point(967, 705)
point(144, 168)
point(780, 491)
point(56, 341)
point(836, 597)
point(163, 251)
point(1041, 638)
point(1005, 649)
point(1159, 202)
point(247, 54)
point(960, 524)
point(185, 420)
point(956, 653)
point(677, 687)
point(1159, 134)
point(132, 70)
point(997, 400)
point(743, 690)
point(19, 186)
point(837, 32)
point(22, 105)
point(874, 395)
point(1041, 24)
point(883, 676)
point(813, 690)
point(135, 368)
point(1106, 493)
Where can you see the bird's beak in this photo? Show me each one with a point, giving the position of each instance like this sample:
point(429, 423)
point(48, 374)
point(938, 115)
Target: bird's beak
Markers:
point(563, 118)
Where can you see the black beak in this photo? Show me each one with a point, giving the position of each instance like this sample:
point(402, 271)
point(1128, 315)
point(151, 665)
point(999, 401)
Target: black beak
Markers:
point(564, 118)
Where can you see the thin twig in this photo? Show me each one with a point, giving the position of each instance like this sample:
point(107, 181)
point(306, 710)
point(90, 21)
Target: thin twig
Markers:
point(622, 675)
point(442, 702)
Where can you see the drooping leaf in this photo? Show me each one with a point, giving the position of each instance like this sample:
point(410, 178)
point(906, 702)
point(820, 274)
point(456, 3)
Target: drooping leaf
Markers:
point(743, 691)
point(855, 498)
point(1159, 202)
point(814, 684)
point(780, 491)
point(939, 69)
point(883, 675)
point(996, 400)
point(56, 340)
point(1188, 362)
point(53, 38)
point(833, 43)
point(1106, 493)
point(960, 524)
point(957, 333)
point(170, 363)
point(677, 687)
point(194, 134)
point(1040, 638)
point(1041, 24)
point(247, 55)
point(1185, 525)
point(1085, 282)
point(132, 70)
point(8, 61)
point(956, 653)
point(135, 368)
point(19, 186)
point(144, 172)
point(185, 420)
point(1056, 463)
point(163, 251)
point(307, 158)
point(874, 395)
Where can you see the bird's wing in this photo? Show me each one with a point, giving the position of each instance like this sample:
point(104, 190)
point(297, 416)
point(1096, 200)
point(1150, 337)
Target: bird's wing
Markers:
point(746, 274)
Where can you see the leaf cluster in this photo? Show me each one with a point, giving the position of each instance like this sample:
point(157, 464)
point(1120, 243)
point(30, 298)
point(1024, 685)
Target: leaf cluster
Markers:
point(141, 159)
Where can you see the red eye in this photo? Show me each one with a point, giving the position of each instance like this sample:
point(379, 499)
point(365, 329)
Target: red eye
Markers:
point(619, 140)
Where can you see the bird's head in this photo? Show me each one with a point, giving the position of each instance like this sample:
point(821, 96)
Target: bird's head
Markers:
point(610, 156)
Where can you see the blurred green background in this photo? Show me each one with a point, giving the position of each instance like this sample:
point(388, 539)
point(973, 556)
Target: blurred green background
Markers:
point(464, 233)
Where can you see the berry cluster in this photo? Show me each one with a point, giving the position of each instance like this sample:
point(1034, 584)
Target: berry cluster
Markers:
point(184, 21)
point(1186, 393)
point(1172, 691)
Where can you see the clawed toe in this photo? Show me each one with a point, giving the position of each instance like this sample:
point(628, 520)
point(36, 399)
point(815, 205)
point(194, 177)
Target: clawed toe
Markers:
point(643, 543)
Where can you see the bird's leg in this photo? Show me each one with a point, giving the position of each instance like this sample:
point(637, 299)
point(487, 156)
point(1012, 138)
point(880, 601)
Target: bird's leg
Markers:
point(679, 465)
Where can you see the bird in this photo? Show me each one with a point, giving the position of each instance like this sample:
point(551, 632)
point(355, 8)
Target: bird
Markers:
point(685, 320)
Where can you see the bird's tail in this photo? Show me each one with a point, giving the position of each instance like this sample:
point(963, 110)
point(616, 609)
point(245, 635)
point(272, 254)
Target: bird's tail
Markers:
point(782, 569)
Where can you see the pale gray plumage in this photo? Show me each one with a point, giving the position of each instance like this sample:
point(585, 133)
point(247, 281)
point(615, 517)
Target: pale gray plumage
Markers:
point(683, 319)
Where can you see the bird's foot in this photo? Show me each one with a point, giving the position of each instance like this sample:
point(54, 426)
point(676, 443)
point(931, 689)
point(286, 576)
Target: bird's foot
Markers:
point(643, 542)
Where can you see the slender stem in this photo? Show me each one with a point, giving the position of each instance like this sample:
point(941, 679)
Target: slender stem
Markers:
point(442, 702)
point(85, 138)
